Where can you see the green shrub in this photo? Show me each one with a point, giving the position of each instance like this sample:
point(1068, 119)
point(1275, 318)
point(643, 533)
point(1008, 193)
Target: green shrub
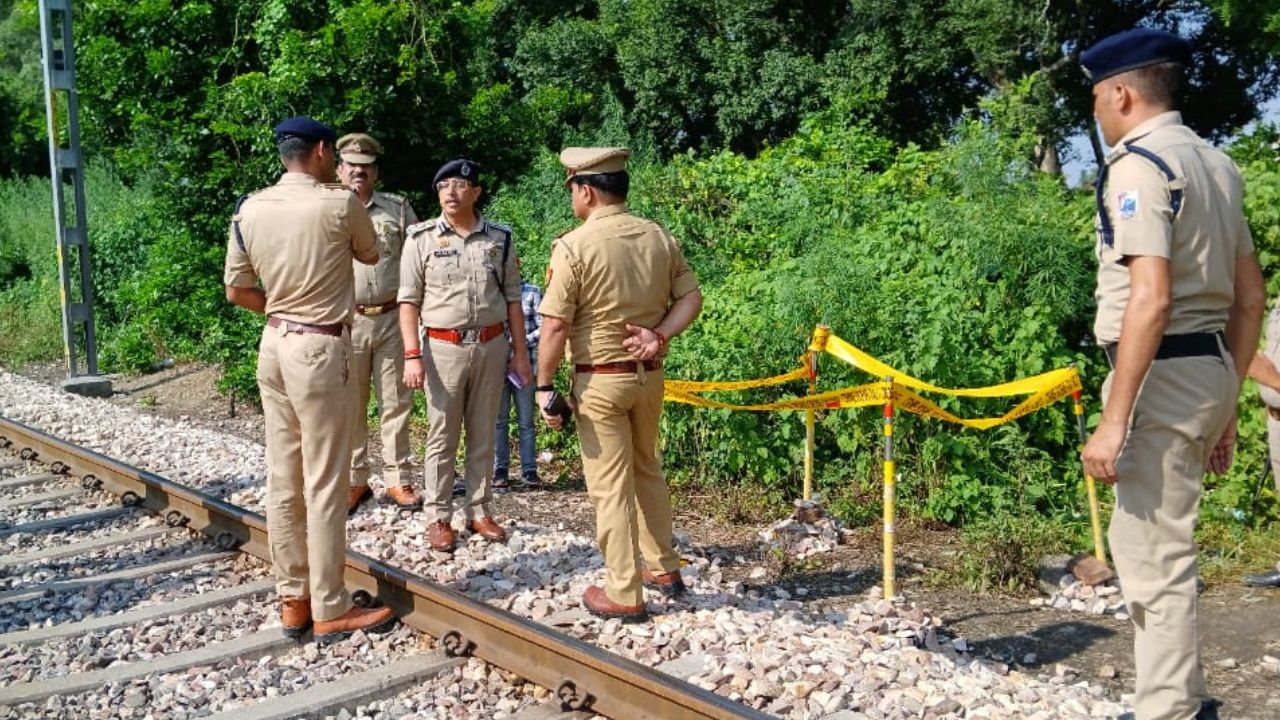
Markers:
point(1000, 553)
point(961, 266)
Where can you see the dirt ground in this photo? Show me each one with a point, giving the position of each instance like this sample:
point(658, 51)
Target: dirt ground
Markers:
point(1238, 625)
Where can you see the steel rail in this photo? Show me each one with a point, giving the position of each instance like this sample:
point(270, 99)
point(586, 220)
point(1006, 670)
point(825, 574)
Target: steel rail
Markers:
point(583, 676)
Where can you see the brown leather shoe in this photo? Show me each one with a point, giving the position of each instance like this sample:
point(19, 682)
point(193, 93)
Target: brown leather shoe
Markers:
point(295, 616)
point(440, 536)
point(598, 603)
point(486, 528)
point(341, 627)
point(670, 584)
point(405, 497)
point(356, 495)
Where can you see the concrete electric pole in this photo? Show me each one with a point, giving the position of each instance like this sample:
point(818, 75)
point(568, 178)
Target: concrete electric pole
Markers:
point(66, 167)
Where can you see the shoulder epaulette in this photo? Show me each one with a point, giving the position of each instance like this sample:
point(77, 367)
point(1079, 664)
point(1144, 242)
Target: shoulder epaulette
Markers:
point(235, 219)
point(1176, 187)
point(418, 227)
point(398, 199)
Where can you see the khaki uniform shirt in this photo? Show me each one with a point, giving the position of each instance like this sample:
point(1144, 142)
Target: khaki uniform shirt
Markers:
point(392, 215)
point(1202, 243)
point(457, 280)
point(299, 237)
point(613, 269)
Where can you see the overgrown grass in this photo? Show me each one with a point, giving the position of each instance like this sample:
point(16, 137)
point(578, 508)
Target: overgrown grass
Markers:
point(1000, 553)
point(30, 316)
point(1230, 549)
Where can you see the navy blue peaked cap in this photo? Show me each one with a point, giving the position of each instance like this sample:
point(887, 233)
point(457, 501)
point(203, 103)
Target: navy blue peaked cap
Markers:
point(305, 128)
point(1133, 49)
point(465, 169)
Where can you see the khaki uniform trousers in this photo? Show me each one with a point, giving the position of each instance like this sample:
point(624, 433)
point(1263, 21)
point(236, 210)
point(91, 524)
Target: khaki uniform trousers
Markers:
point(618, 433)
point(464, 385)
point(307, 406)
point(378, 354)
point(1181, 411)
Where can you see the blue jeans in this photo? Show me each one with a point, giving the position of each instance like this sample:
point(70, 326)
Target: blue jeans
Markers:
point(524, 420)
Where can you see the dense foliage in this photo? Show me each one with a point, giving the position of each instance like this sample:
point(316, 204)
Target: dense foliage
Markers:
point(918, 257)
point(870, 164)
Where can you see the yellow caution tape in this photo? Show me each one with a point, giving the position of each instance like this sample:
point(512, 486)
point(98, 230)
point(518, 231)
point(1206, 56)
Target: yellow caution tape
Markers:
point(844, 351)
point(690, 386)
point(857, 396)
point(1044, 389)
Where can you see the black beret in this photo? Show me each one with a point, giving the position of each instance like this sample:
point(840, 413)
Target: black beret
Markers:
point(305, 128)
point(465, 169)
point(1133, 49)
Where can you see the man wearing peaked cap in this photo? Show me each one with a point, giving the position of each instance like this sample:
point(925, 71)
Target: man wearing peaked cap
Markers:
point(593, 161)
point(618, 291)
point(460, 283)
point(378, 351)
point(1180, 299)
point(289, 255)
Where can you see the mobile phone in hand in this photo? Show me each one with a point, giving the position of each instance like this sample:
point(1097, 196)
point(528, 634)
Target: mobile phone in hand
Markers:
point(557, 405)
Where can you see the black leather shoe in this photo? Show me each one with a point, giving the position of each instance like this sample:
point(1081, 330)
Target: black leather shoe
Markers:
point(1270, 578)
point(1208, 711)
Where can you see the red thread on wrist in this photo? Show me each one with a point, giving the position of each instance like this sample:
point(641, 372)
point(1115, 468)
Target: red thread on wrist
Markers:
point(662, 339)
point(412, 354)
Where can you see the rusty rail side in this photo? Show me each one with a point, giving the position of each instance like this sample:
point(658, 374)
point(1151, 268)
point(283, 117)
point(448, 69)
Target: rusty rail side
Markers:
point(583, 676)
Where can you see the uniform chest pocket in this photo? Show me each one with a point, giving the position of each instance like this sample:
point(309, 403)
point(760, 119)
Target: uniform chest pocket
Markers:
point(392, 241)
point(444, 268)
point(487, 270)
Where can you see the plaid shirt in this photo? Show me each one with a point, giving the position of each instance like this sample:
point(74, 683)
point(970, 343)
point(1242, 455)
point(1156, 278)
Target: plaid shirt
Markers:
point(530, 299)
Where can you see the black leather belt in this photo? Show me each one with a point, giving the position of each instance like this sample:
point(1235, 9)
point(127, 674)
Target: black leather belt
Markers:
point(1180, 346)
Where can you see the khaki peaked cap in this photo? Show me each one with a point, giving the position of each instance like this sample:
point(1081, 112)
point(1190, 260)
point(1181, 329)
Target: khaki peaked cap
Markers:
point(359, 148)
point(594, 160)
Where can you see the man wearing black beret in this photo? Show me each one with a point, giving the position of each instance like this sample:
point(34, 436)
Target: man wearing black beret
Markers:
point(460, 283)
point(289, 257)
point(1180, 299)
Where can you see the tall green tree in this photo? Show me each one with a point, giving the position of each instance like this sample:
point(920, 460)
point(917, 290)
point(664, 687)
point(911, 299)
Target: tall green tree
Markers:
point(22, 115)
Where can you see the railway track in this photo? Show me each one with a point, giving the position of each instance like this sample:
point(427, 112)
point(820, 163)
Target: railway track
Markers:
point(196, 616)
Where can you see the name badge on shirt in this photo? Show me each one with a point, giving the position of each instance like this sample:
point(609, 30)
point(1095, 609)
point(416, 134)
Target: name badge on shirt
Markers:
point(445, 253)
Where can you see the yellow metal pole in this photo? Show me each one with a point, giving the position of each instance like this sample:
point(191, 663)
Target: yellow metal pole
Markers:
point(810, 417)
point(1090, 486)
point(889, 491)
point(816, 346)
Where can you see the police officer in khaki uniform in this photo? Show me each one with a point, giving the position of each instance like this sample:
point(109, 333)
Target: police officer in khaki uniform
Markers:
point(1180, 300)
point(299, 237)
point(378, 351)
point(460, 284)
point(618, 290)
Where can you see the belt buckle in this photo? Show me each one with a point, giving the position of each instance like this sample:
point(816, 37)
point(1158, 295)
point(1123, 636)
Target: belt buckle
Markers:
point(370, 310)
point(469, 335)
